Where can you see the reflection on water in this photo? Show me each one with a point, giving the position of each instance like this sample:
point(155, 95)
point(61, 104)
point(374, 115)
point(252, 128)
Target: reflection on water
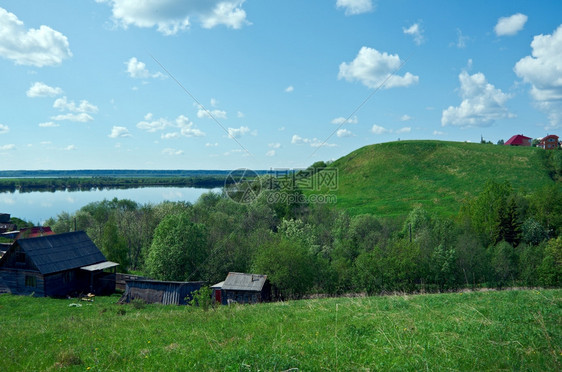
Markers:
point(38, 206)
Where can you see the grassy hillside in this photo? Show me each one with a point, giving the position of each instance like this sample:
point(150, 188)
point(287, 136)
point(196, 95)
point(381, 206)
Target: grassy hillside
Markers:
point(509, 330)
point(391, 178)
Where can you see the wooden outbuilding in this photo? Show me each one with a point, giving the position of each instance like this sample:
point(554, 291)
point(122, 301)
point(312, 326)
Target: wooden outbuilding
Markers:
point(243, 288)
point(56, 265)
point(159, 292)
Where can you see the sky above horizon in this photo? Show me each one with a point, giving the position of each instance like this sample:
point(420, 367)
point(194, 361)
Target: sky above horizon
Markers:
point(227, 84)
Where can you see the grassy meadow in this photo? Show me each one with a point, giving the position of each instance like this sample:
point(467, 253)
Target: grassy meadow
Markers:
point(390, 179)
point(495, 330)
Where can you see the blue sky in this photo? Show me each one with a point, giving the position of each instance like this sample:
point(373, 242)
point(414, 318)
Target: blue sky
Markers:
point(226, 84)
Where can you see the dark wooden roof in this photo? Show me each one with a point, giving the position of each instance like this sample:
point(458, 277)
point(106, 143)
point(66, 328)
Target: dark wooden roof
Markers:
point(244, 282)
point(60, 252)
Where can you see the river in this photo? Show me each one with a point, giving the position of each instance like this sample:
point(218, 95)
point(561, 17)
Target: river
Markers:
point(37, 207)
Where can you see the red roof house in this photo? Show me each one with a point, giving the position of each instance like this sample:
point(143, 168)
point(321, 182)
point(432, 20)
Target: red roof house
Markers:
point(518, 140)
point(549, 142)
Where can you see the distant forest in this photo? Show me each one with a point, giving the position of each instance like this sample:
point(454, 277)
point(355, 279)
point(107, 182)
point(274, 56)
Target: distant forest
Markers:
point(53, 180)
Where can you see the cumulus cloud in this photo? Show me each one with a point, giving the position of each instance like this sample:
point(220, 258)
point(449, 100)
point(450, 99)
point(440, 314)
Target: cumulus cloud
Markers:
point(405, 118)
point(543, 70)
point(508, 26)
point(172, 16)
point(461, 40)
point(238, 132)
point(63, 104)
point(404, 130)
point(36, 47)
point(481, 105)
point(181, 124)
point(377, 129)
point(274, 145)
point(353, 7)
point(416, 32)
point(372, 68)
point(80, 118)
point(315, 142)
point(7, 147)
point(137, 70)
point(217, 114)
point(270, 153)
point(209, 144)
point(39, 89)
point(289, 89)
point(70, 148)
point(119, 132)
point(344, 133)
point(4, 129)
point(341, 120)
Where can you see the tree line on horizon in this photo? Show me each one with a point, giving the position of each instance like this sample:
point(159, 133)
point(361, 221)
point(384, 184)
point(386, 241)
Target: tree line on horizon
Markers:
point(498, 238)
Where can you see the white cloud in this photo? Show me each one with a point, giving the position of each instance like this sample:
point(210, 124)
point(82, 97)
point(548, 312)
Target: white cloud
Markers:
point(172, 152)
point(270, 153)
point(438, 133)
point(119, 132)
point(508, 26)
point(315, 142)
point(341, 120)
point(372, 68)
point(543, 70)
point(275, 145)
point(172, 16)
point(344, 133)
point(208, 144)
point(377, 129)
point(239, 114)
point(49, 124)
point(482, 103)
point(7, 147)
point(36, 47)
point(4, 129)
point(80, 118)
point(137, 70)
point(461, 40)
point(289, 89)
point(187, 128)
point(182, 122)
point(416, 32)
point(353, 7)
point(64, 105)
point(70, 148)
point(405, 118)
point(404, 130)
point(217, 114)
point(39, 89)
point(238, 132)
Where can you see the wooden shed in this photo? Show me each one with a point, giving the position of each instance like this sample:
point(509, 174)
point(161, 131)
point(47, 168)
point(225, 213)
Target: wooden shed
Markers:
point(56, 265)
point(243, 288)
point(159, 292)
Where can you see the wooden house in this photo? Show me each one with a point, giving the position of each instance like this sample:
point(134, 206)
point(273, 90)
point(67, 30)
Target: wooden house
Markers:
point(56, 265)
point(243, 288)
point(159, 292)
point(549, 142)
point(518, 140)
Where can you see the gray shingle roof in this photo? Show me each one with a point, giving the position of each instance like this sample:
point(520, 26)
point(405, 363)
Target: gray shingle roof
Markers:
point(244, 282)
point(59, 252)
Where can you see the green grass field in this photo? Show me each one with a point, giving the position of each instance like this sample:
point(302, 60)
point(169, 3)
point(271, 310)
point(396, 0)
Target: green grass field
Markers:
point(507, 330)
point(390, 179)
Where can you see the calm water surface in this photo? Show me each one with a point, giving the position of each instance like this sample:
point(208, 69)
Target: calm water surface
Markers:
point(38, 206)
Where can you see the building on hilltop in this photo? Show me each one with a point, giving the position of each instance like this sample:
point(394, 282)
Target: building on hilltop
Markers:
point(549, 142)
point(518, 140)
point(56, 265)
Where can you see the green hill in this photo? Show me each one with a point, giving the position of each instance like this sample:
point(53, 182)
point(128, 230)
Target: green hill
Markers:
point(390, 179)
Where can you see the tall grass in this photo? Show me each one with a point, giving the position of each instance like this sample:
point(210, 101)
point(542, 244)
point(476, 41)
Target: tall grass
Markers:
point(509, 330)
